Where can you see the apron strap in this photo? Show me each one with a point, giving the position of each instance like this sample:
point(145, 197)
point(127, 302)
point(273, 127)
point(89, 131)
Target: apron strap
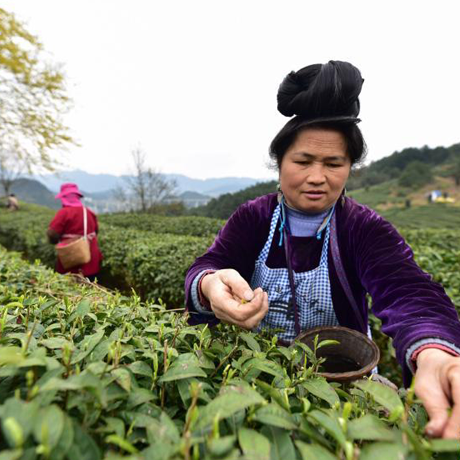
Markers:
point(342, 275)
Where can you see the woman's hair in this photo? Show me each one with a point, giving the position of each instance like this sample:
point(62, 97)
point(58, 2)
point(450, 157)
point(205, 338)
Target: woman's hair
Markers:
point(321, 96)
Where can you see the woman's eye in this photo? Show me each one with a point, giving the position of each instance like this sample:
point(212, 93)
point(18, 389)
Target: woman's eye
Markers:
point(334, 165)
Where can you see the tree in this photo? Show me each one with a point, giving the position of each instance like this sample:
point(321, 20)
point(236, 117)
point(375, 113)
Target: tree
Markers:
point(146, 187)
point(32, 99)
point(456, 171)
point(11, 169)
point(416, 174)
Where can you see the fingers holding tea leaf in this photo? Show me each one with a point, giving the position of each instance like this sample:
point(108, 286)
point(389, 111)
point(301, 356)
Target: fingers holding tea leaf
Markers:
point(437, 385)
point(452, 428)
point(237, 284)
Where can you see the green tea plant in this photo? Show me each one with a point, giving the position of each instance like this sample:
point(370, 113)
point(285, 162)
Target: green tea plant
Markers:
point(86, 373)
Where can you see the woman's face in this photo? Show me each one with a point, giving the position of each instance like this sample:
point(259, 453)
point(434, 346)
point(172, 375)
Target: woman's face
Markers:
point(314, 170)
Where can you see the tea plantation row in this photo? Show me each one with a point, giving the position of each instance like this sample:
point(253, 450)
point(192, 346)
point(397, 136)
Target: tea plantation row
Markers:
point(151, 254)
point(154, 264)
point(86, 373)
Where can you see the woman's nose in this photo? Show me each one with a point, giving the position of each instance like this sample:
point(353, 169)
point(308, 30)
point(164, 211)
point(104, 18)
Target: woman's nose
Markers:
point(316, 174)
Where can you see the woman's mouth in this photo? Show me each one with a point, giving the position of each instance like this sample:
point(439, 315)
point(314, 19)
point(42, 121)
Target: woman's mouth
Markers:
point(314, 194)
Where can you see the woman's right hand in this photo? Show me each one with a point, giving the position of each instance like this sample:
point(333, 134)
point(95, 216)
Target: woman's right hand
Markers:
point(232, 300)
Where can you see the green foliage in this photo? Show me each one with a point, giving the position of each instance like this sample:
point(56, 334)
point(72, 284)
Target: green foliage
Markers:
point(32, 101)
point(87, 373)
point(154, 264)
point(224, 206)
point(395, 165)
point(415, 175)
point(182, 225)
point(434, 216)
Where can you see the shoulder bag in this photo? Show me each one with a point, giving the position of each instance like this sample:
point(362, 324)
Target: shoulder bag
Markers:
point(75, 251)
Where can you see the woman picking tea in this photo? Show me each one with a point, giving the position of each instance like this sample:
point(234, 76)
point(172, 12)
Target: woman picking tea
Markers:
point(308, 255)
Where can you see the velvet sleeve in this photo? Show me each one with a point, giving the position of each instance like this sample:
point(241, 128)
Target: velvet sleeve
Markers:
point(410, 304)
point(236, 246)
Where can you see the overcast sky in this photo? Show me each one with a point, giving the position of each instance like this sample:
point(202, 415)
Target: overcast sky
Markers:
point(194, 82)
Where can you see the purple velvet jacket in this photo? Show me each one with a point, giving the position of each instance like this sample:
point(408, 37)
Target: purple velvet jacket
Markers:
point(376, 260)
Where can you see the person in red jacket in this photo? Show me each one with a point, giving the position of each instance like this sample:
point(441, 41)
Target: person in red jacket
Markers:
point(68, 223)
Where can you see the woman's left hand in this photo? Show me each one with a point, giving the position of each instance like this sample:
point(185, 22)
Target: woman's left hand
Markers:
point(437, 384)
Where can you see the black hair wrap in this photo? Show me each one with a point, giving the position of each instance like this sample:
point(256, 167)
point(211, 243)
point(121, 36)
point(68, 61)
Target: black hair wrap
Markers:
point(322, 91)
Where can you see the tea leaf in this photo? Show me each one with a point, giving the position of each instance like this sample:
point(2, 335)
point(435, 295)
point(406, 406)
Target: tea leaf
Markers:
point(314, 452)
point(221, 446)
point(254, 445)
point(369, 428)
point(264, 365)
point(121, 443)
point(325, 343)
point(281, 447)
point(329, 422)
point(383, 394)
point(84, 447)
point(383, 451)
point(251, 342)
point(274, 415)
point(184, 367)
point(231, 401)
point(49, 426)
point(11, 355)
point(444, 445)
point(321, 389)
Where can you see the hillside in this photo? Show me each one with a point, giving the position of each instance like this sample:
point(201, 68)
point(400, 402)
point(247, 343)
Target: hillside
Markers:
point(32, 191)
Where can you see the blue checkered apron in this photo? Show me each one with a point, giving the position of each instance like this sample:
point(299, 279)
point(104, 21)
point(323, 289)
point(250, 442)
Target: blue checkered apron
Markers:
point(313, 292)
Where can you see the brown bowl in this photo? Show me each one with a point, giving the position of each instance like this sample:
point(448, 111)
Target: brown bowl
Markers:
point(353, 358)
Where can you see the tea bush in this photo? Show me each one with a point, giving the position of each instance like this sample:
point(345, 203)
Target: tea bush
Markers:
point(86, 373)
point(154, 264)
point(182, 225)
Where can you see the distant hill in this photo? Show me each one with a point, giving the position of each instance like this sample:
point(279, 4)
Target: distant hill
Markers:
point(32, 191)
point(223, 206)
point(442, 161)
point(98, 183)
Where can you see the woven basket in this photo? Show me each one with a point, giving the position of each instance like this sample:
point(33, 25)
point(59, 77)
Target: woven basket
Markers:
point(73, 253)
point(354, 357)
